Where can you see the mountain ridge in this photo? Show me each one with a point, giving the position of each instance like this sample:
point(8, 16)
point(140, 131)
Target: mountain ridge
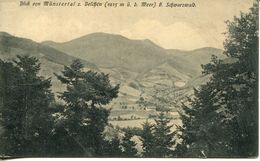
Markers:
point(139, 66)
point(112, 50)
point(33, 48)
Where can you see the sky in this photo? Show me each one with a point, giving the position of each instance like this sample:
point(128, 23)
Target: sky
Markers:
point(171, 28)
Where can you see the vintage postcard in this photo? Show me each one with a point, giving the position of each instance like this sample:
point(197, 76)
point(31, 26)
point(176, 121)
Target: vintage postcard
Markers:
point(129, 78)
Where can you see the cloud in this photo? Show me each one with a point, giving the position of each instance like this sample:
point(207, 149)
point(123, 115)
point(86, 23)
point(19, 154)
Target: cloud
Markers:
point(179, 35)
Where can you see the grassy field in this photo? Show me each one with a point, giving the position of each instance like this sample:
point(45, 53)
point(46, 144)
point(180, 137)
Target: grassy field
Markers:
point(141, 113)
point(139, 122)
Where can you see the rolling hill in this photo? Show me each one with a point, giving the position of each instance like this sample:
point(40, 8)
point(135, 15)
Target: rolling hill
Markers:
point(11, 46)
point(141, 56)
point(52, 60)
point(193, 59)
point(114, 51)
point(140, 66)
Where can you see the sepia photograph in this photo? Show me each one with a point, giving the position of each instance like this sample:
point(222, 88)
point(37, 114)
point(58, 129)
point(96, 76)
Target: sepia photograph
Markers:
point(129, 79)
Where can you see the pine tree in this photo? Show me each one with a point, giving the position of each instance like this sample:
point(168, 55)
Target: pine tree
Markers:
point(116, 150)
point(148, 140)
point(164, 137)
point(112, 148)
point(198, 131)
point(242, 44)
point(85, 118)
point(222, 120)
point(26, 95)
point(128, 145)
point(11, 114)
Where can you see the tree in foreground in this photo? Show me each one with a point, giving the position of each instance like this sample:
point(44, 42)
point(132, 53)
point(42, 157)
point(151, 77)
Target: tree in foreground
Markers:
point(200, 137)
point(112, 148)
point(158, 139)
point(84, 118)
point(222, 120)
point(128, 146)
point(164, 137)
point(148, 140)
point(25, 111)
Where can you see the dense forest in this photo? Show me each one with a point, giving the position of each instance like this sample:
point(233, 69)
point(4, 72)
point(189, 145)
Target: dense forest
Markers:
point(221, 120)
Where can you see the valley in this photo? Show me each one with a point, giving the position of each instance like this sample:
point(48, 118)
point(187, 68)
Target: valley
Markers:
point(151, 78)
